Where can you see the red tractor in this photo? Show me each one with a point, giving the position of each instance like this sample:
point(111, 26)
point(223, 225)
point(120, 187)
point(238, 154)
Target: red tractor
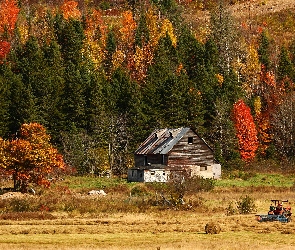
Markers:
point(278, 211)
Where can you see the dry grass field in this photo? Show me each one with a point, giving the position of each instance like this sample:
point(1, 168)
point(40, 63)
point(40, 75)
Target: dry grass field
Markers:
point(123, 222)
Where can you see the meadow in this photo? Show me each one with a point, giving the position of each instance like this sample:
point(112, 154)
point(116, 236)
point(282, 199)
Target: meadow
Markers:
point(131, 216)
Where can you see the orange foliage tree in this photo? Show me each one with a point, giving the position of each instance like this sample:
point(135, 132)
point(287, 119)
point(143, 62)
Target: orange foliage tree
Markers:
point(245, 130)
point(8, 15)
point(30, 158)
point(70, 10)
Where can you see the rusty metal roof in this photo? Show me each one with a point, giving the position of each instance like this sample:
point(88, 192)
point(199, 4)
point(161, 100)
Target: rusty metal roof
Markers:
point(161, 141)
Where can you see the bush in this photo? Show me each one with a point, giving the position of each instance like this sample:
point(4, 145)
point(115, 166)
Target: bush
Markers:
point(231, 209)
point(20, 205)
point(212, 228)
point(139, 190)
point(246, 205)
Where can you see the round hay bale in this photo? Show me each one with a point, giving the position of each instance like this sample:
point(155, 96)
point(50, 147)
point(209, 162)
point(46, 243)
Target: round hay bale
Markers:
point(212, 228)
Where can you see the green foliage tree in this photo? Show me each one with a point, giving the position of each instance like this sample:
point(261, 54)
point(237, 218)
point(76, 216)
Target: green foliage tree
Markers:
point(264, 50)
point(286, 69)
point(4, 99)
point(142, 31)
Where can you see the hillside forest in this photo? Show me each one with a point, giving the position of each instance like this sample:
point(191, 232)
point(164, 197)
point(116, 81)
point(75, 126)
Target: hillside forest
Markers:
point(100, 76)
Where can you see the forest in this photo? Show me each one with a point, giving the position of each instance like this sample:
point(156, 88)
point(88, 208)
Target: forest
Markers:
point(99, 76)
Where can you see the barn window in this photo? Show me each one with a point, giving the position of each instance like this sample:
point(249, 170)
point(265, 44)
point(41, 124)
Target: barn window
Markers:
point(190, 140)
point(152, 172)
point(132, 173)
point(203, 168)
point(163, 173)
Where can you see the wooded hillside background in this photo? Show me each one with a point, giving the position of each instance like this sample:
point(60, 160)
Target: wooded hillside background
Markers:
point(101, 75)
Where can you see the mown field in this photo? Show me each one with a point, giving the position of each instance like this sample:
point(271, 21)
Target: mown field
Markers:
point(66, 217)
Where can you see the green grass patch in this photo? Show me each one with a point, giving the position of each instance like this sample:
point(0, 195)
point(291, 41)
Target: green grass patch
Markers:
point(90, 182)
point(258, 180)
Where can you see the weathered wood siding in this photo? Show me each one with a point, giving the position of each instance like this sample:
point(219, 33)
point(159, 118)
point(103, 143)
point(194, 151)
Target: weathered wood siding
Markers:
point(195, 153)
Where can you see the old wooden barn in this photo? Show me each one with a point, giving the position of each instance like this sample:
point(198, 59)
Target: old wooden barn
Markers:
point(173, 150)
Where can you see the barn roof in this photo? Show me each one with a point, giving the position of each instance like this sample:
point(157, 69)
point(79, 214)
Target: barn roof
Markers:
point(161, 141)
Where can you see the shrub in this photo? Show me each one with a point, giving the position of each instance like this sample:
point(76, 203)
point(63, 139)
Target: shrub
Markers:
point(212, 228)
point(246, 205)
point(20, 205)
point(231, 209)
point(139, 190)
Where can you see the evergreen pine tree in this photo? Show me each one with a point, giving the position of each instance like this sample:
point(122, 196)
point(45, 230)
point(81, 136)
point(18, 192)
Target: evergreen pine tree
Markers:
point(142, 31)
point(285, 67)
point(5, 74)
point(264, 51)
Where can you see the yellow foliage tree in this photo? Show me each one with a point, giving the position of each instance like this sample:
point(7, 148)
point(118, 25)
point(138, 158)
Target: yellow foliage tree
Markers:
point(95, 41)
point(142, 58)
point(154, 31)
point(251, 70)
point(167, 28)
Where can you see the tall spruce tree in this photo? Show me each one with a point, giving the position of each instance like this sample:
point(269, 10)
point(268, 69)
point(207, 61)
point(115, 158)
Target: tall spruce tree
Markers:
point(142, 31)
point(5, 100)
point(53, 89)
point(170, 97)
point(70, 36)
point(264, 50)
point(285, 68)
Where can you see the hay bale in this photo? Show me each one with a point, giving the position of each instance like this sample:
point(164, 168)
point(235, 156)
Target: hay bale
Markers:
point(212, 228)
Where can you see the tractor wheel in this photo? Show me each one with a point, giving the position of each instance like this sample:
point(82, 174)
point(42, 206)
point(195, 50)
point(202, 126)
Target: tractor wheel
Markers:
point(259, 218)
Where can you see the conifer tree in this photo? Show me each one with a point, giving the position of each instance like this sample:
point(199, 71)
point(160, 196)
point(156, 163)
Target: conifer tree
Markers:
point(286, 69)
point(4, 99)
point(264, 50)
point(111, 45)
point(142, 31)
point(70, 36)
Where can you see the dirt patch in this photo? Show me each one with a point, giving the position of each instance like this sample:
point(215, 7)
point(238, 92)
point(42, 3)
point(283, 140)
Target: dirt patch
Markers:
point(255, 8)
point(12, 195)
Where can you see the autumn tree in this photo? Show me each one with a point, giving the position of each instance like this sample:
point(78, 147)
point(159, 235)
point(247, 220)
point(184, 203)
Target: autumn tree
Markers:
point(70, 10)
point(8, 17)
point(282, 127)
point(245, 130)
point(31, 158)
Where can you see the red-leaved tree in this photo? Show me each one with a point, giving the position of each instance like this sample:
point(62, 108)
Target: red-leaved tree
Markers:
point(245, 130)
point(8, 15)
point(4, 49)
